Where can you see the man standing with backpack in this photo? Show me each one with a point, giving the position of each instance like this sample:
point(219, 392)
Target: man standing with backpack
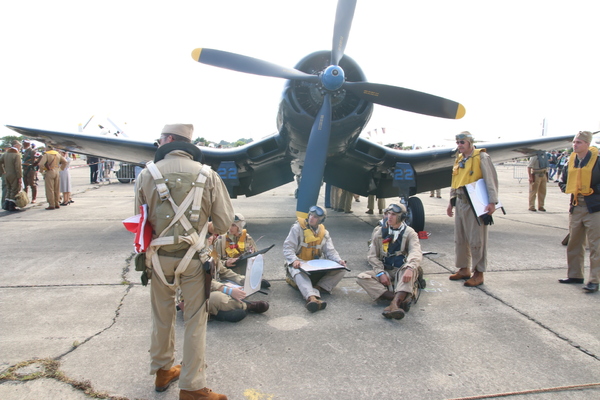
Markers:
point(181, 194)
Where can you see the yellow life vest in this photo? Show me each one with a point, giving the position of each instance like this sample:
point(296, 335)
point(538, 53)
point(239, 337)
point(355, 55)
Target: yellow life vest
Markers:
point(311, 248)
point(235, 249)
point(580, 179)
point(471, 171)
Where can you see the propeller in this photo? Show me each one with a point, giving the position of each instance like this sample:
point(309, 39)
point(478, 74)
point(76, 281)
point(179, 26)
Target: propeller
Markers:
point(331, 79)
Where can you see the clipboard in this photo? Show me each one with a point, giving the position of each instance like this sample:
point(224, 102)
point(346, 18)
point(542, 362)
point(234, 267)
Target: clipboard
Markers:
point(320, 265)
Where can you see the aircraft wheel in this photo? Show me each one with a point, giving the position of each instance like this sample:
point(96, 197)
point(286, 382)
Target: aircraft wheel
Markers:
point(416, 214)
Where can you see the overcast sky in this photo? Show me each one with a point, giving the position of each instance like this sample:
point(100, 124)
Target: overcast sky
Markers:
point(511, 63)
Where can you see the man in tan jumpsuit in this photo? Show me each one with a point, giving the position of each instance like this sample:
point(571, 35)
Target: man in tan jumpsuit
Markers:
point(177, 157)
point(470, 237)
point(50, 165)
point(395, 256)
point(13, 174)
point(581, 179)
point(538, 177)
point(30, 169)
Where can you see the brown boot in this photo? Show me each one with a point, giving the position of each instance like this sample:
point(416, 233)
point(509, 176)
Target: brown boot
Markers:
point(462, 273)
point(476, 279)
point(165, 377)
point(405, 301)
point(393, 310)
point(204, 393)
point(387, 295)
point(313, 304)
point(258, 307)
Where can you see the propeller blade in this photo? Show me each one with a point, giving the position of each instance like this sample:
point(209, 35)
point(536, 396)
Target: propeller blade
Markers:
point(406, 99)
point(249, 65)
point(343, 21)
point(314, 162)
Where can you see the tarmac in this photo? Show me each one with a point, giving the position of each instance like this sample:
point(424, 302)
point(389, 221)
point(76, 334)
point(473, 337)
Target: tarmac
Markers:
point(75, 321)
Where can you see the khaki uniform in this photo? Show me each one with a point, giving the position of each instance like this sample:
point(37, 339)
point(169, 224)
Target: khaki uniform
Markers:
point(220, 301)
point(371, 203)
point(538, 186)
point(4, 187)
point(222, 242)
point(470, 238)
point(410, 248)
point(13, 173)
point(50, 165)
point(216, 205)
point(30, 172)
point(584, 219)
point(293, 245)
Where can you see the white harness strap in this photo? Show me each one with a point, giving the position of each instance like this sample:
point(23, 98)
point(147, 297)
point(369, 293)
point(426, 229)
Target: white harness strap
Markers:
point(192, 237)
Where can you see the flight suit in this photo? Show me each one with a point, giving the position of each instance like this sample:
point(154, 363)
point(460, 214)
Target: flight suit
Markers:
point(538, 186)
point(13, 173)
point(216, 205)
point(470, 238)
point(30, 172)
point(50, 165)
point(410, 248)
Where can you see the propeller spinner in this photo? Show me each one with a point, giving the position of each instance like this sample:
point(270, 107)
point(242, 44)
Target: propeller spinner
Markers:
point(331, 79)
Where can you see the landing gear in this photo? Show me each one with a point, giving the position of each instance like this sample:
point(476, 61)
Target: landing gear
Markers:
point(416, 214)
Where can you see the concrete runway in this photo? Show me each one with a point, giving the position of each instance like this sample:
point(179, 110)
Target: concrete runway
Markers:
point(69, 297)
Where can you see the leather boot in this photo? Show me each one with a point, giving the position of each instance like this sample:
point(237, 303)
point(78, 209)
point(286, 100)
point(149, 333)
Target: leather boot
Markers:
point(476, 279)
point(165, 377)
point(462, 273)
point(258, 307)
point(393, 310)
point(406, 301)
point(204, 393)
point(387, 295)
point(313, 304)
point(5, 205)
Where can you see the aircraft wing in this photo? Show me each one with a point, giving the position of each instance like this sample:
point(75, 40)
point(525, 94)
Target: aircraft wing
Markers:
point(369, 168)
point(246, 170)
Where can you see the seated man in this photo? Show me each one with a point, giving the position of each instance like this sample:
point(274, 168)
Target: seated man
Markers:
point(308, 240)
point(395, 256)
point(226, 302)
point(235, 243)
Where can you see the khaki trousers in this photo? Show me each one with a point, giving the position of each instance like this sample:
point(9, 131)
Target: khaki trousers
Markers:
point(470, 239)
point(371, 203)
point(52, 185)
point(329, 280)
point(162, 341)
point(370, 283)
point(538, 187)
point(220, 301)
point(582, 224)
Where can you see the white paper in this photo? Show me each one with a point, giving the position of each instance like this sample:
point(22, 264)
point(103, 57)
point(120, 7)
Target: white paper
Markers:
point(478, 194)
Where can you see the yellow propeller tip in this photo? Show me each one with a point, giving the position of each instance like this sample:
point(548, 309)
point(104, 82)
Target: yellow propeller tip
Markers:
point(460, 112)
point(196, 54)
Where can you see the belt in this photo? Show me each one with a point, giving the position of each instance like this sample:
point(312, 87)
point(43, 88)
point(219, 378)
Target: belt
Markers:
point(177, 254)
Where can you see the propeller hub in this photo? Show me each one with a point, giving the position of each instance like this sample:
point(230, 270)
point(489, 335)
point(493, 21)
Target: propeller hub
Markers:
point(333, 78)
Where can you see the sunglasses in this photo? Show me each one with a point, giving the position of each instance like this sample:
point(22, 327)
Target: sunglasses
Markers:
point(460, 142)
point(318, 211)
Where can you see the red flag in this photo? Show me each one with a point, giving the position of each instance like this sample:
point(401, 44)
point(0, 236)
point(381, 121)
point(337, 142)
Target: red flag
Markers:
point(139, 225)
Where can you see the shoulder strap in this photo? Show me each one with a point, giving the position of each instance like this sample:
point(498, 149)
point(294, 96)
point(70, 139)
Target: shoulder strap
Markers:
point(195, 239)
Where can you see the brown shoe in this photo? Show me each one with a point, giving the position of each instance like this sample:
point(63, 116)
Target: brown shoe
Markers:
point(393, 311)
point(462, 273)
point(406, 301)
point(164, 377)
point(258, 307)
point(369, 211)
point(476, 279)
point(313, 304)
point(204, 393)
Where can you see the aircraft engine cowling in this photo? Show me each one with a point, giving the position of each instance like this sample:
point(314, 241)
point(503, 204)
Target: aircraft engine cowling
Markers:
point(301, 103)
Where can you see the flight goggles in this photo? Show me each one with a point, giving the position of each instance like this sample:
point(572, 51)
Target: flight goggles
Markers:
point(318, 211)
point(395, 208)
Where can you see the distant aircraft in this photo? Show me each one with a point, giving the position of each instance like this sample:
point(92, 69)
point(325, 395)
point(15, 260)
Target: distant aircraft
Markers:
point(326, 103)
